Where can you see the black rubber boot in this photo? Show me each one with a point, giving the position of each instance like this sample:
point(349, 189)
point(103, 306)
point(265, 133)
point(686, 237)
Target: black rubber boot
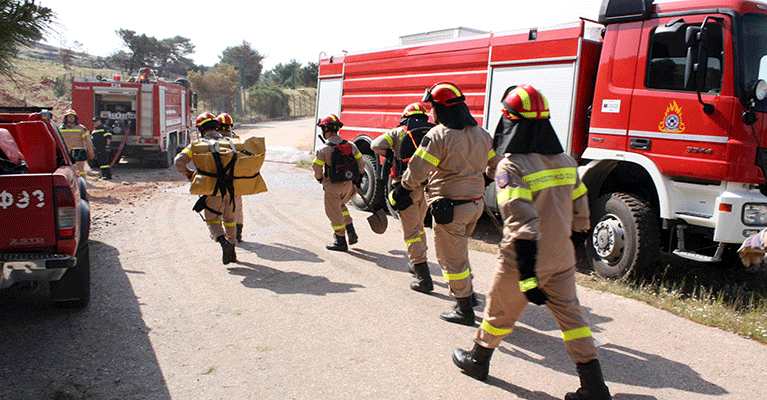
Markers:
point(592, 383)
point(475, 363)
point(108, 174)
point(423, 281)
point(463, 313)
point(239, 233)
point(351, 233)
point(339, 244)
point(227, 250)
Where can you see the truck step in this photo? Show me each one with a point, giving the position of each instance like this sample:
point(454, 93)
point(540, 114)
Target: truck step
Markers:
point(698, 257)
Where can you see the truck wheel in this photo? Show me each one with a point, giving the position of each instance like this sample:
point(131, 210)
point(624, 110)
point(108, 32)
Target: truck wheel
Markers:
point(169, 154)
point(625, 237)
point(73, 290)
point(373, 188)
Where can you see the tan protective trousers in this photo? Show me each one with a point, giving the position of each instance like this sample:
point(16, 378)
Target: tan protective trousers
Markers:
point(336, 197)
point(451, 241)
point(412, 228)
point(505, 303)
point(221, 224)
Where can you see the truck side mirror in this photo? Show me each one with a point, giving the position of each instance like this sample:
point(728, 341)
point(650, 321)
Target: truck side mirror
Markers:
point(696, 39)
point(78, 155)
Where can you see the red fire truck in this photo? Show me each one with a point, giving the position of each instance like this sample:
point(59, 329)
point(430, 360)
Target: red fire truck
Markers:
point(662, 105)
point(150, 119)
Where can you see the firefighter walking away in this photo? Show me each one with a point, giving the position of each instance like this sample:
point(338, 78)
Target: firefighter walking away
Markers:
point(542, 201)
point(452, 157)
point(225, 124)
point(338, 167)
point(218, 206)
point(398, 146)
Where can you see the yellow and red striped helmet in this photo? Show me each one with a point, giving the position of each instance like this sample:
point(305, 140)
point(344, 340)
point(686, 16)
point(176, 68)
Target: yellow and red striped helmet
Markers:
point(525, 102)
point(414, 109)
point(445, 93)
point(224, 119)
point(330, 121)
point(204, 117)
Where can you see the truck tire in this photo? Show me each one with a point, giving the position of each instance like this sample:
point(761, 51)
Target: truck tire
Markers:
point(73, 290)
point(372, 187)
point(170, 153)
point(625, 237)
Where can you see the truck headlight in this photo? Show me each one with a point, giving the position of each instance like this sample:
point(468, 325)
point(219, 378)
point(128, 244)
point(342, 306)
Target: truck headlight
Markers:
point(755, 214)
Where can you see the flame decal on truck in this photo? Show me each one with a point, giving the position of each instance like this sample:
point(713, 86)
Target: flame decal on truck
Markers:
point(672, 121)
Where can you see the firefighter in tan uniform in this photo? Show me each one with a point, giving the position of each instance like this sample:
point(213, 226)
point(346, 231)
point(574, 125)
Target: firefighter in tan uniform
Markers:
point(338, 166)
point(542, 200)
point(398, 145)
point(451, 158)
point(76, 136)
point(224, 129)
point(219, 209)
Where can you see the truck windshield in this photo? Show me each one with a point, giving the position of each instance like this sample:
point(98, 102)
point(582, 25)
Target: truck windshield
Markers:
point(754, 50)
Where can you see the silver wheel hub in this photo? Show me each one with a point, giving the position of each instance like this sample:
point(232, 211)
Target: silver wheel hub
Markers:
point(608, 238)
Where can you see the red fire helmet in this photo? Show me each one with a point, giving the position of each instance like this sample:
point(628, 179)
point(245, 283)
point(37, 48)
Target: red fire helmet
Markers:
point(445, 93)
point(525, 102)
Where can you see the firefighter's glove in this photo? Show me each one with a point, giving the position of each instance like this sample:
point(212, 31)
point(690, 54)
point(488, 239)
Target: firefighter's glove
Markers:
point(753, 249)
point(189, 174)
point(399, 198)
point(526, 258)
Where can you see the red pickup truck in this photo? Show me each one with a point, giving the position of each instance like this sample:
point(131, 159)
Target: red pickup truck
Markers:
point(44, 210)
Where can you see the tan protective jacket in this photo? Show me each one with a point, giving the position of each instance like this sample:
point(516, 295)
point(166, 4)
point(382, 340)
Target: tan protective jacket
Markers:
point(542, 197)
point(322, 158)
point(77, 137)
point(452, 160)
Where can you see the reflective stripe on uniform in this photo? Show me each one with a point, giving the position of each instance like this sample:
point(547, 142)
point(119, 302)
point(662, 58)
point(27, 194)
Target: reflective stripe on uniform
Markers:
point(550, 178)
point(577, 333)
point(345, 213)
point(457, 277)
point(413, 240)
point(70, 130)
point(339, 227)
point(514, 193)
point(491, 154)
point(85, 135)
point(493, 330)
point(104, 166)
point(213, 222)
point(187, 151)
point(357, 156)
point(319, 162)
point(426, 156)
point(527, 284)
point(579, 191)
point(230, 224)
point(389, 139)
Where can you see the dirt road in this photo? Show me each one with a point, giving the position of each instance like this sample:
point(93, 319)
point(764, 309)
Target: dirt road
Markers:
point(293, 321)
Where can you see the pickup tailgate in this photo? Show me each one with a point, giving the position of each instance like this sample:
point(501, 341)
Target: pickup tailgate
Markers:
point(27, 214)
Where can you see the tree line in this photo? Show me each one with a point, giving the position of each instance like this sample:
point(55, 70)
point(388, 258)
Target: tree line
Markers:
point(236, 84)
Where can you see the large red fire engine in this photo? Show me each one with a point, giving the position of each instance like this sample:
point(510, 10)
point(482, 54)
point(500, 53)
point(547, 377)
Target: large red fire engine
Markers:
point(150, 118)
point(662, 105)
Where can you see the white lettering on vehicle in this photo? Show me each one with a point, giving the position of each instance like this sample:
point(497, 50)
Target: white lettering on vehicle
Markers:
point(22, 199)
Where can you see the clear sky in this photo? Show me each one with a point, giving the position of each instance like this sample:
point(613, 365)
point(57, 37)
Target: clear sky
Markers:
point(295, 29)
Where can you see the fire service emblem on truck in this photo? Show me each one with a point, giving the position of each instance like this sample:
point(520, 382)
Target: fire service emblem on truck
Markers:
point(672, 122)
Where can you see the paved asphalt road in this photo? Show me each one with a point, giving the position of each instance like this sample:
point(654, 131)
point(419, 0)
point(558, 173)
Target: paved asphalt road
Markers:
point(292, 320)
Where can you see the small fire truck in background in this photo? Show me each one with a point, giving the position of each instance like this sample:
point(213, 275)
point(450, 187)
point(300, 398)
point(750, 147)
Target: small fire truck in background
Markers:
point(150, 118)
point(662, 103)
